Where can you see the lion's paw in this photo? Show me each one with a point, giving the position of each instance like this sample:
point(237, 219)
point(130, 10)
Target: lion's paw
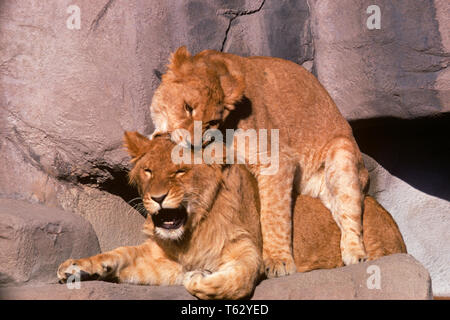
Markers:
point(83, 269)
point(353, 256)
point(196, 274)
point(279, 267)
point(201, 284)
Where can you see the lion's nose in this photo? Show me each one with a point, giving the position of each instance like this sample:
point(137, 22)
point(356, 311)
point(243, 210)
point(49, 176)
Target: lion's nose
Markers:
point(159, 199)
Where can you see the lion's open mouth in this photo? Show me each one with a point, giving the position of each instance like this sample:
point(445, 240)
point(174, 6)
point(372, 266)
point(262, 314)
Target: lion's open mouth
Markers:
point(170, 218)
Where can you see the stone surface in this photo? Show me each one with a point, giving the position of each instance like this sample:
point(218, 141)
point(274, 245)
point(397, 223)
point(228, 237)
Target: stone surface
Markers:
point(116, 222)
point(35, 240)
point(423, 220)
point(401, 277)
point(95, 290)
point(83, 89)
point(271, 28)
point(399, 70)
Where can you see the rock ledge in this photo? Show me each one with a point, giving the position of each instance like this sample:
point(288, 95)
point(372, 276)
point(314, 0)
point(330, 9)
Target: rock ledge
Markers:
point(400, 277)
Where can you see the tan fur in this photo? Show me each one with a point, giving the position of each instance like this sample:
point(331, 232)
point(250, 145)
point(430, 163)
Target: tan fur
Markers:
point(215, 254)
point(316, 236)
point(219, 254)
point(317, 147)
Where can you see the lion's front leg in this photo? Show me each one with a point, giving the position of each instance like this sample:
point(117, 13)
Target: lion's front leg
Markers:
point(144, 264)
point(274, 172)
point(235, 279)
point(275, 193)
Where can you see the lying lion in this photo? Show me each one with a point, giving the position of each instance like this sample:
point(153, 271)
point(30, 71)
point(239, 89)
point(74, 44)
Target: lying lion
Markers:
point(204, 231)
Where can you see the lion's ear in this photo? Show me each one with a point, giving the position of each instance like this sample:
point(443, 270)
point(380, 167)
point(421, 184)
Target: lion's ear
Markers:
point(135, 143)
point(178, 58)
point(233, 85)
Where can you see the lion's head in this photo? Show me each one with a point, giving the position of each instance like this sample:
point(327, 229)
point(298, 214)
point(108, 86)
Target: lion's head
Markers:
point(204, 87)
point(176, 196)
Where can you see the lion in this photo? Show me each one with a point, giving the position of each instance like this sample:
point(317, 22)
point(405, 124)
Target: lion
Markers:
point(318, 153)
point(204, 232)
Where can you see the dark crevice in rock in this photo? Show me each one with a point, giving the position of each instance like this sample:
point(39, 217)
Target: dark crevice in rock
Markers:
point(100, 15)
point(222, 48)
point(158, 74)
point(236, 12)
point(4, 280)
point(416, 151)
point(27, 153)
point(311, 36)
point(112, 180)
point(102, 176)
point(232, 14)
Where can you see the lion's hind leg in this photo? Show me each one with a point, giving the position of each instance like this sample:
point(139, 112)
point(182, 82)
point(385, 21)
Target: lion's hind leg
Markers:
point(343, 196)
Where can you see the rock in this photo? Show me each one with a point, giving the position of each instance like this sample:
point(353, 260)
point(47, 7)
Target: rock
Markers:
point(83, 89)
point(95, 290)
point(401, 277)
point(400, 70)
point(271, 28)
point(423, 220)
point(116, 222)
point(35, 240)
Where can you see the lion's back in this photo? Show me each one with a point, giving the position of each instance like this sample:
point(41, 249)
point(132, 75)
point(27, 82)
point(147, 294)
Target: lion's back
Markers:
point(283, 95)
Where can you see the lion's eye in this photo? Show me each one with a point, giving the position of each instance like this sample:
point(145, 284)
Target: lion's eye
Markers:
point(180, 172)
point(188, 109)
point(148, 172)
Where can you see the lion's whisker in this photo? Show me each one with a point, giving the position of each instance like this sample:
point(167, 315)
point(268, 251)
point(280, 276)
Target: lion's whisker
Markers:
point(137, 205)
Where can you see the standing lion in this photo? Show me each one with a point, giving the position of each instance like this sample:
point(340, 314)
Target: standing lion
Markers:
point(318, 153)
